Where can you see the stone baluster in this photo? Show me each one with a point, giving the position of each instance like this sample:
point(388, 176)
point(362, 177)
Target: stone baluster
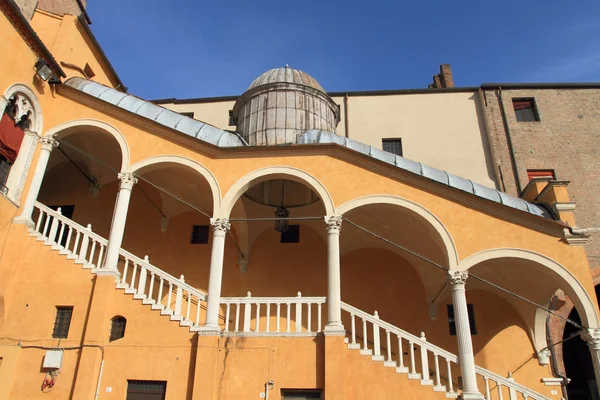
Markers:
point(220, 228)
point(48, 143)
point(334, 325)
point(466, 359)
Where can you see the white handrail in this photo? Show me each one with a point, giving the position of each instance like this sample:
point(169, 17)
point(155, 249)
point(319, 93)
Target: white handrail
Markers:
point(88, 248)
point(427, 346)
point(281, 307)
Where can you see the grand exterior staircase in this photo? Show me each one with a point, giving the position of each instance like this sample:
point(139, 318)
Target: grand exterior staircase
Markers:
point(283, 316)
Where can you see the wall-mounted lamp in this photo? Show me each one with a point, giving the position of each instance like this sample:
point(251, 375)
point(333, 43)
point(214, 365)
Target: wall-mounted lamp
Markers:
point(44, 72)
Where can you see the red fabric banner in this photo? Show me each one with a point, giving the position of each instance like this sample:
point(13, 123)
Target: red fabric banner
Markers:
point(11, 137)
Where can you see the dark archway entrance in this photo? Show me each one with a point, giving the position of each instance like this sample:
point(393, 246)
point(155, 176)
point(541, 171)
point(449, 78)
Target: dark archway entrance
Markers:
point(578, 364)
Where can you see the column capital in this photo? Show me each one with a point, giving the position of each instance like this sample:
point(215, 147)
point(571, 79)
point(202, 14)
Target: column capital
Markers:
point(457, 277)
point(333, 223)
point(220, 224)
point(127, 180)
point(592, 337)
point(48, 142)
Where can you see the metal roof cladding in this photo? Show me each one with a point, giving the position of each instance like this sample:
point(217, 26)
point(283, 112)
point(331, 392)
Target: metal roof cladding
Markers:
point(146, 109)
point(286, 75)
point(221, 138)
point(443, 177)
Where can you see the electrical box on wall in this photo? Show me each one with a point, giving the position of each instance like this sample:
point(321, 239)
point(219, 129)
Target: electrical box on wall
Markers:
point(53, 359)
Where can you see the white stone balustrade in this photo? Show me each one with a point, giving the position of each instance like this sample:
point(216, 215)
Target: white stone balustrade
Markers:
point(244, 315)
point(399, 343)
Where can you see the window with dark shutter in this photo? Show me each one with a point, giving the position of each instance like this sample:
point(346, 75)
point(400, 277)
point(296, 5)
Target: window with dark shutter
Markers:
point(540, 173)
point(452, 321)
point(146, 390)
point(117, 328)
point(292, 235)
point(525, 110)
point(392, 145)
point(301, 394)
point(200, 234)
point(62, 322)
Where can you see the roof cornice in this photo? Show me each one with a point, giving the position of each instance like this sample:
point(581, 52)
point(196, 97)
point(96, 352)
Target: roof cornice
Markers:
point(512, 215)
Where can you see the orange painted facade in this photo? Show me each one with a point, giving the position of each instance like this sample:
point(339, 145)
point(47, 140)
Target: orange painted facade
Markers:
point(520, 252)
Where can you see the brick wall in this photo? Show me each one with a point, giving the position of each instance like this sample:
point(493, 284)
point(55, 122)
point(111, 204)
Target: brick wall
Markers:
point(566, 139)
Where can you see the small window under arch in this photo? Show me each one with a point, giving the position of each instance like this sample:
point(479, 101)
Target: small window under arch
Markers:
point(117, 328)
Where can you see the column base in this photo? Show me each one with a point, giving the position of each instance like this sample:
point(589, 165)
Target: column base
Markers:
point(20, 219)
point(209, 330)
point(334, 329)
point(471, 396)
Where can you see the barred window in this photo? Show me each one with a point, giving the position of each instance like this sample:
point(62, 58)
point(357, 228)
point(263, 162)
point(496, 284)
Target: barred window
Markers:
point(117, 328)
point(392, 146)
point(301, 394)
point(62, 322)
point(146, 390)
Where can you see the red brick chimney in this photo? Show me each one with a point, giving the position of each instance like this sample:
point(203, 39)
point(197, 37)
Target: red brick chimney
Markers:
point(443, 79)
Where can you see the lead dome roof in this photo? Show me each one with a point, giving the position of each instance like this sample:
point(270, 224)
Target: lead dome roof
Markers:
point(286, 75)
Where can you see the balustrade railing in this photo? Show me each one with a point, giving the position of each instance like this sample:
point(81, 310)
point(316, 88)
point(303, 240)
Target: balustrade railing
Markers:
point(155, 286)
point(430, 364)
point(137, 276)
point(285, 316)
point(78, 242)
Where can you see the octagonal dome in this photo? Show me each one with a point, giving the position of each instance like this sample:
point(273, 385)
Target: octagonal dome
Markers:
point(286, 75)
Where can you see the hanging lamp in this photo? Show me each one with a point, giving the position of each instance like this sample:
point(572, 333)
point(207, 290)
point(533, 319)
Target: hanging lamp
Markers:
point(282, 214)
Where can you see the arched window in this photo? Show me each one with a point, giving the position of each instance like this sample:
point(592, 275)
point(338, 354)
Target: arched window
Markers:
point(20, 126)
point(117, 329)
point(15, 120)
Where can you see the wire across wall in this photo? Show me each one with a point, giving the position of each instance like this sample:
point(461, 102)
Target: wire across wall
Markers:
point(313, 218)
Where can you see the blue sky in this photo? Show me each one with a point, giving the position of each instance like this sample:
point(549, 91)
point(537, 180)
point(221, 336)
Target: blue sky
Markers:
point(188, 48)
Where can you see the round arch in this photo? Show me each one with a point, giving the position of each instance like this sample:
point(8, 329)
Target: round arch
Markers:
point(414, 207)
point(106, 127)
point(581, 299)
point(259, 175)
point(38, 119)
point(188, 162)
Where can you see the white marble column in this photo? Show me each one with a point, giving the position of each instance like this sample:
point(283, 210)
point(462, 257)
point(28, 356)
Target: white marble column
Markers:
point(48, 143)
point(592, 338)
point(220, 228)
point(117, 227)
point(466, 359)
point(334, 296)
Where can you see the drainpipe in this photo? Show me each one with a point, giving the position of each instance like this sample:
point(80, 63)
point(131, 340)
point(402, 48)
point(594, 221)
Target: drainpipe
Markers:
point(491, 146)
point(554, 361)
point(346, 118)
point(513, 159)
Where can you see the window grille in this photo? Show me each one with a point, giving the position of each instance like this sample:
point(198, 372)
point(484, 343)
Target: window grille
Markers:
point(301, 394)
point(146, 390)
point(62, 322)
point(117, 328)
point(392, 146)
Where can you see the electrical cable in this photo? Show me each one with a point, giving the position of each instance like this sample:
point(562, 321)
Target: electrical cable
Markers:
point(77, 166)
point(150, 200)
point(470, 274)
point(351, 223)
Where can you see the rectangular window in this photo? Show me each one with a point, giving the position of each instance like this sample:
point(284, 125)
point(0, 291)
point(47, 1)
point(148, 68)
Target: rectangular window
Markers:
point(541, 173)
point(4, 171)
point(292, 235)
point(301, 394)
point(452, 321)
point(525, 110)
point(62, 322)
point(146, 390)
point(392, 145)
point(200, 234)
